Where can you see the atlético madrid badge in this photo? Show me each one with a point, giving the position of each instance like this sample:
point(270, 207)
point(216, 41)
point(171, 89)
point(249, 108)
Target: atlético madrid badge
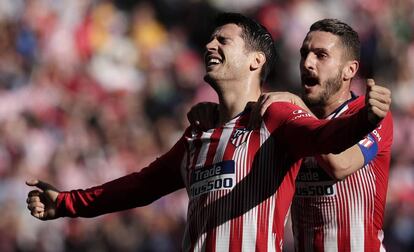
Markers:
point(239, 137)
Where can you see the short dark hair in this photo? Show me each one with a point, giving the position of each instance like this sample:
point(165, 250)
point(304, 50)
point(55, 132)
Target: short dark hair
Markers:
point(349, 37)
point(255, 36)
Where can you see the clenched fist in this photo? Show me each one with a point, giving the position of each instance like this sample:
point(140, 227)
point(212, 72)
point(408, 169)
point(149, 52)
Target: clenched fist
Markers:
point(42, 203)
point(377, 101)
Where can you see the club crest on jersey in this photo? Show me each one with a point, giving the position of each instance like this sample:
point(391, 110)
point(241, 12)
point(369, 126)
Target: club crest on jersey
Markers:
point(239, 137)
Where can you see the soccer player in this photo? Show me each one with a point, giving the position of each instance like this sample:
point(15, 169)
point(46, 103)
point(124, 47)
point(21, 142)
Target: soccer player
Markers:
point(339, 199)
point(346, 214)
point(240, 182)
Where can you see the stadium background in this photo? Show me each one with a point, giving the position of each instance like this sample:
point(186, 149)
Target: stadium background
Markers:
point(91, 90)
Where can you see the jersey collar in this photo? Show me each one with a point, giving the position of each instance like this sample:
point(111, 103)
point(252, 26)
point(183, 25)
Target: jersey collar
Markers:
point(336, 112)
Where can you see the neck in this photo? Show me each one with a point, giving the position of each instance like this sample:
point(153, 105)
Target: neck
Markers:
point(234, 97)
point(334, 102)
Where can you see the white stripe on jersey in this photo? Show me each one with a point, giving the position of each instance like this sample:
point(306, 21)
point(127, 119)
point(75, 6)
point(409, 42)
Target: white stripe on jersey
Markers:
point(249, 234)
point(224, 141)
point(365, 177)
point(271, 243)
point(356, 216)
point(223, 236)
point(249, 219)
point(330, 229)
point(202, 156)
point(381, 238)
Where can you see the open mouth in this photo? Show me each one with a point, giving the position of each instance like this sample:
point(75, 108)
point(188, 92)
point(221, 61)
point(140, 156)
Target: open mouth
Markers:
point(309, 81)
point(212, 60)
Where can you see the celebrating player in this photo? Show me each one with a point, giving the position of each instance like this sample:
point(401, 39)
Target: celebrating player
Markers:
point(327, 214)
point(240, 182)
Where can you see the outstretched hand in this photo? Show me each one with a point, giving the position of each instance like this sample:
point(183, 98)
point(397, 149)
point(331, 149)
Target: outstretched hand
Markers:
point(42, 203)
point(377, 101)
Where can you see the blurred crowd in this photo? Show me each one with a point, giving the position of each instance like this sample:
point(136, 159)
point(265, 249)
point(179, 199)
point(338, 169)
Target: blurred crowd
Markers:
point(92, 90)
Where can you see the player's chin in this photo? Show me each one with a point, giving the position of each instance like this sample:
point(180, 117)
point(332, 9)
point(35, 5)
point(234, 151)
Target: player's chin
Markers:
point(209, 78)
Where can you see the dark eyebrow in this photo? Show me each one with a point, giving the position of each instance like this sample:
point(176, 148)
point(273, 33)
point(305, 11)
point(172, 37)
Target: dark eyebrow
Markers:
point(320, 50)
point(304, 50)
point(219, 37)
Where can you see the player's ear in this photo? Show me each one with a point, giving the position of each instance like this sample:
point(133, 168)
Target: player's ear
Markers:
point(258, 60)
point(350, 69)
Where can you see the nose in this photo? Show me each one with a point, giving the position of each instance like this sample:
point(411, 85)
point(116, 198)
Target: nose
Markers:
point(212, 45)
point(308, 61)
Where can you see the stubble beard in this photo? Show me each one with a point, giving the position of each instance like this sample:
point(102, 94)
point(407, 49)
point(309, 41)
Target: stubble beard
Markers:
point(332, 85)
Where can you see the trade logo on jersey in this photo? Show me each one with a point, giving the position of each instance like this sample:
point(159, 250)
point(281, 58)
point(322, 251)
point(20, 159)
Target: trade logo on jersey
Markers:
point(313, 181)
point(239, 137)
point(214, 177)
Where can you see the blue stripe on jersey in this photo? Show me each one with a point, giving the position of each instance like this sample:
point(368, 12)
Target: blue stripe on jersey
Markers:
point(369, 148)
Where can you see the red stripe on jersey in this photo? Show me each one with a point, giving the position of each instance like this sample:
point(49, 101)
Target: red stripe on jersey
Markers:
point(318, 232)
point(284, 197)
point(236, 234)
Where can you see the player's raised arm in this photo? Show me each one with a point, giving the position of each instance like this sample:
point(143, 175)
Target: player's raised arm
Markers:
point(308, 136)
point(341, 165)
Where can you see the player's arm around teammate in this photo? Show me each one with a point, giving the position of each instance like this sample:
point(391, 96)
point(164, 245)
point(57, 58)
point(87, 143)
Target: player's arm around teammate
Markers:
point(339, 166)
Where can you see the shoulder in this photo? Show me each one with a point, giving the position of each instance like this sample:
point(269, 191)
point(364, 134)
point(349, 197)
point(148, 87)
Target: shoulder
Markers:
point(281, 109)
point(279, 113)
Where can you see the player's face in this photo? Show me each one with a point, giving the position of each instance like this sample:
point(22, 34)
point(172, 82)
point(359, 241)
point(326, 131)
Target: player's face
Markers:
point(226, 56)
point(321, 67)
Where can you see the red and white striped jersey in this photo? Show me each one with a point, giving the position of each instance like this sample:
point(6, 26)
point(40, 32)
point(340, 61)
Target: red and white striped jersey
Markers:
point(347, 215)
point(240, 182)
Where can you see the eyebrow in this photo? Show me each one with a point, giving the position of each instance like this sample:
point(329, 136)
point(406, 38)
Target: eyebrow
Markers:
point(320, 50)
point(317, 49)
point(219, 36)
